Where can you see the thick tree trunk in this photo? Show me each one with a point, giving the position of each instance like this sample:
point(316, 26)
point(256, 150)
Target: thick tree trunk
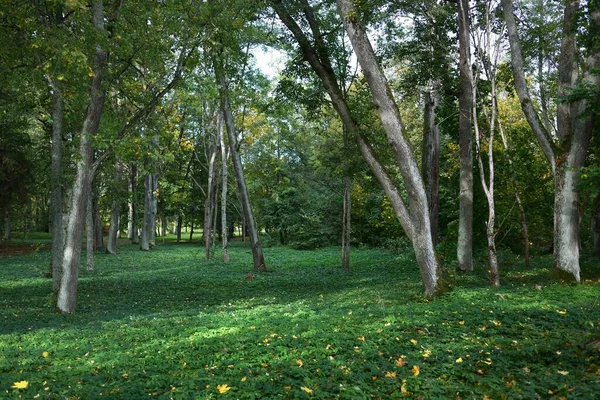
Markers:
point(97, 225)
point(390, 118)
point(56, 200)
point(257, 253)
point(430, 163)
point(7, 224)
point(90, 231)
point(596, 227)
point(464, 248)
point(67, 295)
point(224, 157)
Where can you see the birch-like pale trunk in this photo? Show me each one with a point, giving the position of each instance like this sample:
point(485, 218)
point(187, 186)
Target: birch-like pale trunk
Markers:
point(67, 294)
point(430, 162)
point(392, 124)
point(567, 154)
point(56, 197)
point(464, 248)
point(224, 158)
point(257, 253)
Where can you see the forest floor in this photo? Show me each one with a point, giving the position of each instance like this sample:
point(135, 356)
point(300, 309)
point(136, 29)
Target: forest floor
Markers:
point(168, 324)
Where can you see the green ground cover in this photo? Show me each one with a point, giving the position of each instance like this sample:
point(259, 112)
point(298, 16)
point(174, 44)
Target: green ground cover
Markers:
point(167, 324)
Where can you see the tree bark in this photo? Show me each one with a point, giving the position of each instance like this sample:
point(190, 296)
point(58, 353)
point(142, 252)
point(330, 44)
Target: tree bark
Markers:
point(346, 223)
point(115, 209)
point(257, 253)
point(430, 163)
point(56, 200)
point(390, 118)
point(148, 229)
point(7, 225)
point(224, 157)
point(97, 224)
point(210, 196)
point(178, 227)
point(574, 127)
point(464, 248)
point(67, 295)
point(596, 227)
point(90, 231)
point(133, 216)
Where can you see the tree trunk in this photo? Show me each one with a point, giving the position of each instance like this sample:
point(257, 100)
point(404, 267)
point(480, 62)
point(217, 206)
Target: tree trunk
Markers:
point(224, 157)
point(596, 226)
point(178, 228)
point(346, 223)
point(210, 197)
point(390, 118)
point(90, 231)
point(7, 224)
point(133, 216)
point(257, 253)
point(56, 200)
point(115, 209)
point(67, 295)
point(574, 127)
point(464, 249)
point(430, 163)
point(97, 225)
point(192, 228)
point(148, 229)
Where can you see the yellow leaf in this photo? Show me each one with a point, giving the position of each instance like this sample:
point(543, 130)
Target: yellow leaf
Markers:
point(461, 322)
point(413, 341)
point(390, 374)
point(563, 372)
point(307, 390)
point(45, 354)
point(403, 388)
point(287, 387)
point(243, 379)
point(459, 360)
point(300, 363)
point(427, 354)
point(400, 362)
point(416, 370)
point(361, 338)
point(20, 385)
point(223, 388)
point(562, 312)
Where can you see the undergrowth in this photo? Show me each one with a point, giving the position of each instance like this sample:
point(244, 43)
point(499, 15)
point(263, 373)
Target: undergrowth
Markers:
point(168, 324)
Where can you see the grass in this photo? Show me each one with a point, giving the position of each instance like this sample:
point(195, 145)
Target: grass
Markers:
point(167, 324)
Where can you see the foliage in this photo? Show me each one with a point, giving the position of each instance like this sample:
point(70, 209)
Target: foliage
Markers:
point(168, 324)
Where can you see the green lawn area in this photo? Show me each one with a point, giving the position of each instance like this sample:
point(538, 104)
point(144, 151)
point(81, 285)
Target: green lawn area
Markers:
point(168, 324)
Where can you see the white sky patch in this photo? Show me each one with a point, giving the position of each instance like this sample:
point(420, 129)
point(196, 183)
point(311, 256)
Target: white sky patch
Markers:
point(269, 61)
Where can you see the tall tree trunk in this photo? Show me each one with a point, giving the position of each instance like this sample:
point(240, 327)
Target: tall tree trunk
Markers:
point(115, 210)
point(133, 216)
point(574, 127)
point(430, 163)
point(390, 118)
point(257, 253)
point(464, 248)
point(90, 231)
point(178, 227)
point(346, 223)
point(210, 197)
point(224, 157)
point(97, 226)
point(67, 295)
point(148, 228)
point(7, 225)
point(56, 200)
point(596, 226)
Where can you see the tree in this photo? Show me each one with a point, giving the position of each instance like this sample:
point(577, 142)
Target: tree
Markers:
point(566, 151)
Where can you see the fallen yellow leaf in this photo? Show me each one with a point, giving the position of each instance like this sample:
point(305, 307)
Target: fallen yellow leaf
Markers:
point(427, 354)
point(403, 388)
point(563, 372)
point(45, 354)
point(459, 360)
point(390, 374)
point(400, 362)
point(461, 322)
point(287, 387)
point(361, 338)
point(413, 341)
point(20, 385)
point(307, 390)
point(223, 388)
point(243, 379)
point(300, 363)
point(416, 370)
